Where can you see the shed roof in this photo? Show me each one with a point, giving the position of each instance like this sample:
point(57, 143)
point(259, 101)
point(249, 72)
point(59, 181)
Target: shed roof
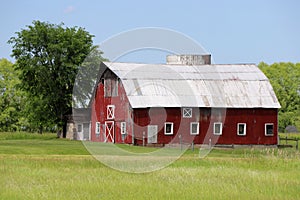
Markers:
point(227, 86)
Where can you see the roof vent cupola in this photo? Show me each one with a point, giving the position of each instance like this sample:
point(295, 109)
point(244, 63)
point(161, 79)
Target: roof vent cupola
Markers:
point(189, 59)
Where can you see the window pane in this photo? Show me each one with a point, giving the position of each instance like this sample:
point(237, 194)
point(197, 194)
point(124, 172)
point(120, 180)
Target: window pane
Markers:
point(194, 128)
point(269, 129)
point(79, 128)
point(107, 87)
point(114, 87)
point(169, 128)
point(241, 129)
point(97, 127)
point(218, 128)
point(110, 112)
point(123, 127)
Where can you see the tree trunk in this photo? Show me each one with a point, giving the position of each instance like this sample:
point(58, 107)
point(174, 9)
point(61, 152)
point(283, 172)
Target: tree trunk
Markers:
point(41, 129)
point(64, 128)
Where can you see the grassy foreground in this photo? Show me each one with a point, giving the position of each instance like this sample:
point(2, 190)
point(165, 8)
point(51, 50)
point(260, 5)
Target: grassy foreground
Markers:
point(43, 167)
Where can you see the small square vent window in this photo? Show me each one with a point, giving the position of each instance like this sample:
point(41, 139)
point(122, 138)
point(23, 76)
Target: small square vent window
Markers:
point(187, 112)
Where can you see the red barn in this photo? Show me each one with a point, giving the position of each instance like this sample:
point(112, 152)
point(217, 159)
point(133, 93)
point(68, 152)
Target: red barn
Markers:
point(187, 100)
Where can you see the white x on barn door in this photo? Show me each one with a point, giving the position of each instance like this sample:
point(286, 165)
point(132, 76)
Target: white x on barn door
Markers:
point(109, 131)
point(110, 112)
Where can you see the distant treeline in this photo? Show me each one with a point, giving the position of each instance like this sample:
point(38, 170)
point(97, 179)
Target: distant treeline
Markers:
point(18, 110)
point(36, 90)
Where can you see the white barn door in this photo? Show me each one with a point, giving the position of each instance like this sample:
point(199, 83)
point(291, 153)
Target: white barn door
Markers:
point(109, 135)
point(152, 134)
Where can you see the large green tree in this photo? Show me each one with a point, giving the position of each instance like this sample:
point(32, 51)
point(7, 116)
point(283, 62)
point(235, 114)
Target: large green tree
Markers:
point(12, 99)
point(285, 79)
point(48, 57)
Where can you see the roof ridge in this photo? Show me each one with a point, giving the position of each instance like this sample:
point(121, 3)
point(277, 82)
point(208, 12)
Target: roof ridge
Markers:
point(215, 64)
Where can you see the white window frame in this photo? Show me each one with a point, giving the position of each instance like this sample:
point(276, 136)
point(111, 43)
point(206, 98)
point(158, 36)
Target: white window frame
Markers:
point(221, 128)
point(123, 128)
point(187, 112)
point(245, 129)
point(110, 111)
point(191, 128)
point(172, 126)
point(266, 124)
point(97, 128)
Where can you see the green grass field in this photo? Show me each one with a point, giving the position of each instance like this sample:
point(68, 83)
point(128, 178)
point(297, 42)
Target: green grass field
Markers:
point(43, 167)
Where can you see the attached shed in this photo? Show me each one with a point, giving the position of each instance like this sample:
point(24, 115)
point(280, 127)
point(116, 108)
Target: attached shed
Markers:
point(78, 125)
point(188, 102)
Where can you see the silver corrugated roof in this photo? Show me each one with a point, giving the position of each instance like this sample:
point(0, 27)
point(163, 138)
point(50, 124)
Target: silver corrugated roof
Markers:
point(229, 86)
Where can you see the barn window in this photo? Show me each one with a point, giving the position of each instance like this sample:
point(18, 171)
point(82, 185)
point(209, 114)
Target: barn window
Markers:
point(97, 128)
point(107, 87)
point(110, 112)
point(110, 87)
point(269, 129)
point(123, 128)
point(168, 128)
point(114, 87)
point(218, 128)
point(187, 112)
point(79, 128)
point(241, 129)
point(194, 128)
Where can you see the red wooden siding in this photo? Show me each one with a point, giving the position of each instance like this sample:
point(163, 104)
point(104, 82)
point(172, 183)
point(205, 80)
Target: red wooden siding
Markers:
point(137, 120)
point(255, 120)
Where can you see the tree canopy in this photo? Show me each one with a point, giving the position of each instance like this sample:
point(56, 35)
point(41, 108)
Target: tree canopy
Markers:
point(285, 79)
point(48, 57)
point(12, 99)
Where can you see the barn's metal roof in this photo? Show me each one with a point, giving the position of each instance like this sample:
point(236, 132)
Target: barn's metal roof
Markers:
point(228, 86)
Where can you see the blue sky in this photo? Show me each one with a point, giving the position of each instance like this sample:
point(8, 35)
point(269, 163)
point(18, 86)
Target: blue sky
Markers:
point(232, 31)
